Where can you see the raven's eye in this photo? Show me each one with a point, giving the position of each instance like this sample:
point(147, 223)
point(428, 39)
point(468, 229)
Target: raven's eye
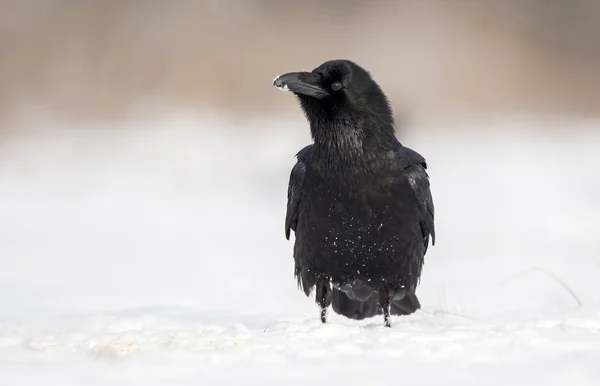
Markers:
point(336, 86)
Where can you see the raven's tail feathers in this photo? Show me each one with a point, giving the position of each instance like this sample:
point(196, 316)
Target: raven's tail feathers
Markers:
point(358, 309)
point(406, 306)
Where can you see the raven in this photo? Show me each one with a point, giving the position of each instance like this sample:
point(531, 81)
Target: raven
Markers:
point(359, 202)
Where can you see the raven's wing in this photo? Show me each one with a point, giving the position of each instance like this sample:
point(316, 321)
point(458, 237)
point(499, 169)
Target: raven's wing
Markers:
point(419, 182)
point(294, 194)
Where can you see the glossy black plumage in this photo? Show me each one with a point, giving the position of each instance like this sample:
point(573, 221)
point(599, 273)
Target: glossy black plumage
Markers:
point(359, 201)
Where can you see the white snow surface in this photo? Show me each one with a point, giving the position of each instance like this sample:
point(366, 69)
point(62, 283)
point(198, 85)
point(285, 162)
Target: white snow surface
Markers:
point(152, 252)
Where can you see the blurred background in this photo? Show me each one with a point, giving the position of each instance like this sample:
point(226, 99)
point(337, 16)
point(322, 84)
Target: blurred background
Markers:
point(437, 59)
point(144, 155)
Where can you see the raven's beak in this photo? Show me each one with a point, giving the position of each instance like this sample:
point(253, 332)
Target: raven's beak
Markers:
point(306, 83)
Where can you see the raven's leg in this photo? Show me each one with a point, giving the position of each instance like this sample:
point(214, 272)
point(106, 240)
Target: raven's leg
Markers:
point(385, 300)
point(323, 297)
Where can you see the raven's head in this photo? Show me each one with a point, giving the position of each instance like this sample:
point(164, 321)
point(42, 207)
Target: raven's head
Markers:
point(346, 109)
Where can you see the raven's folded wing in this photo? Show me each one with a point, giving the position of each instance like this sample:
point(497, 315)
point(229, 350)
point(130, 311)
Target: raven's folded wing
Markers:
point(419, 182)
point(294, 195)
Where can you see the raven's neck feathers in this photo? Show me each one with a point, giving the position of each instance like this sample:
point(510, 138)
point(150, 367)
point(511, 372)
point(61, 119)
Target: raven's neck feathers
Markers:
point(352, 140)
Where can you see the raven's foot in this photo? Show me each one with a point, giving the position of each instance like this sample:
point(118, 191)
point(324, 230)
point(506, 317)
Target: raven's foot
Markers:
point(323, 315)
point(323, 297)
point(387, 322)
point(385, 300)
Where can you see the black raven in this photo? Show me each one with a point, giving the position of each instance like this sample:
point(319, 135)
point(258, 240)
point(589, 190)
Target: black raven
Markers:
point(358, 200)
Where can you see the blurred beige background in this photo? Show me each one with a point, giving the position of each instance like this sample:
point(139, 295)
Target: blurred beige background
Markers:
point(437, 60)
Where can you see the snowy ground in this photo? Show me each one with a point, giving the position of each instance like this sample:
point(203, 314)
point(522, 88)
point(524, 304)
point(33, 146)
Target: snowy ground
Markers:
point(156, 255)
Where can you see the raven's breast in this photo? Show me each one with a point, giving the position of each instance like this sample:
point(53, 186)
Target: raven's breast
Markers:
point(369, 231)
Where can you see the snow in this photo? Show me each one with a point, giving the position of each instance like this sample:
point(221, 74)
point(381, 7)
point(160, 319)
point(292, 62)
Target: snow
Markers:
point(154, 346)
point(152, 252)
